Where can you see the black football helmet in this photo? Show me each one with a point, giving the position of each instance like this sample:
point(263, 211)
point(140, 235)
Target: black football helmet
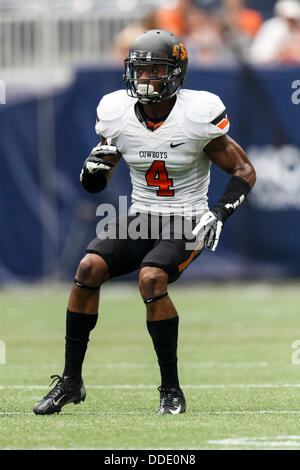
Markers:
point(155, 47)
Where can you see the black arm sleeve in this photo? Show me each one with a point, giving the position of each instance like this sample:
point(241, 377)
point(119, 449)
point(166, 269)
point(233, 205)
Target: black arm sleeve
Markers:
point(93, 182)
point(236, 191)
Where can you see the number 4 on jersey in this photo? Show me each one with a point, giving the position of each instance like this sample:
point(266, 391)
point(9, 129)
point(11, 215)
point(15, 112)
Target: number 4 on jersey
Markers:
point(157, 176)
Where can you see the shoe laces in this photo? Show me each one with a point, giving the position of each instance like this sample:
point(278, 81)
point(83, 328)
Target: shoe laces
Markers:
point(58, 387)
point(168, 395)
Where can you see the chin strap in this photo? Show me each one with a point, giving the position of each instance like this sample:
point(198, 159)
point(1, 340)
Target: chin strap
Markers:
point(154, 299)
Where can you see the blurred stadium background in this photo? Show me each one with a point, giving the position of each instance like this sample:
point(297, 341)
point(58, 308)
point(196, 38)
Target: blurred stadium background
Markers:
point(57, 59)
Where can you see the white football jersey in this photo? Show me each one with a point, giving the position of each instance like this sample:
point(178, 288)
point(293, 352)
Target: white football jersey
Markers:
point(169, 170)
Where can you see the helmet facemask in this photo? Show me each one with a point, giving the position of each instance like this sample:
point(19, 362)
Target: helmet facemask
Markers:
point(143, 88)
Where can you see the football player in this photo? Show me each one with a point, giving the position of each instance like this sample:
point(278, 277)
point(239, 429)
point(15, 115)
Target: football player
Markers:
point(168, 137)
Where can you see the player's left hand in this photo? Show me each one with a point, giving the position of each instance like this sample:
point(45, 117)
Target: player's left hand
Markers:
point(208, 229)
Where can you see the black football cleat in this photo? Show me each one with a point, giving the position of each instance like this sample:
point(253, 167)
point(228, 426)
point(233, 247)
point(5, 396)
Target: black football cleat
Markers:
point(67, 390)
point(172, 401)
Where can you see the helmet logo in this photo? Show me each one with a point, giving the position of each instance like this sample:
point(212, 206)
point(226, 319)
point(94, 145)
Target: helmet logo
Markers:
point(180, 49)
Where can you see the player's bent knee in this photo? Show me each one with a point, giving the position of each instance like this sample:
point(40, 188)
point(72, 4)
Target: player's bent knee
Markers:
point(153, 281)
point(92, 271)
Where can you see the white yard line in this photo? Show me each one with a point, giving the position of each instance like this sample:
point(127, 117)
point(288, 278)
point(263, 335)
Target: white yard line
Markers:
point(141, 386)
point(225, 364)
point(272, 441)
point(121, 413)
point(142, 365)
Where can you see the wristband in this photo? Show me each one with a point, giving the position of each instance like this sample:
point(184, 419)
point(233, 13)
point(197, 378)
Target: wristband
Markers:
point(236, 191)
point(93, 182)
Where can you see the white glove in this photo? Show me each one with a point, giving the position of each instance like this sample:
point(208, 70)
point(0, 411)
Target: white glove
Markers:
point(208, 230)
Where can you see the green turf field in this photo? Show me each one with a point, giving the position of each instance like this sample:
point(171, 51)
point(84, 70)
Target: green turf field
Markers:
point(235, 349)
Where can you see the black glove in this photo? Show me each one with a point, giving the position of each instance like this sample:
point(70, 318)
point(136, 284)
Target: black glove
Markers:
point(92, 175)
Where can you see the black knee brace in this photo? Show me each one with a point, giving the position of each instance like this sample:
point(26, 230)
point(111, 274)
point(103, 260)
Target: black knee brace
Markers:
point(84, 286)
point(154, 299)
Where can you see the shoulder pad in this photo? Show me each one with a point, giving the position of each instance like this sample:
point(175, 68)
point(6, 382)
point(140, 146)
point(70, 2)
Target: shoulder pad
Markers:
point(112, 106)
point(111, 113)
point(201, 112)
point(202, 106)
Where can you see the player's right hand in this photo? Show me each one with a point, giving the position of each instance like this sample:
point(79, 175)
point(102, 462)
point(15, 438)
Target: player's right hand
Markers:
point(96, 160)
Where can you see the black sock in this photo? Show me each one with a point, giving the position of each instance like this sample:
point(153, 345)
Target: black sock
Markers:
point(78, 327)
point(164, 335)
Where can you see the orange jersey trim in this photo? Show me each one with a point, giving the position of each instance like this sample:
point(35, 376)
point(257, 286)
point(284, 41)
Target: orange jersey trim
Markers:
point(223, 123)
point(152, 124)
point(192, 256)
